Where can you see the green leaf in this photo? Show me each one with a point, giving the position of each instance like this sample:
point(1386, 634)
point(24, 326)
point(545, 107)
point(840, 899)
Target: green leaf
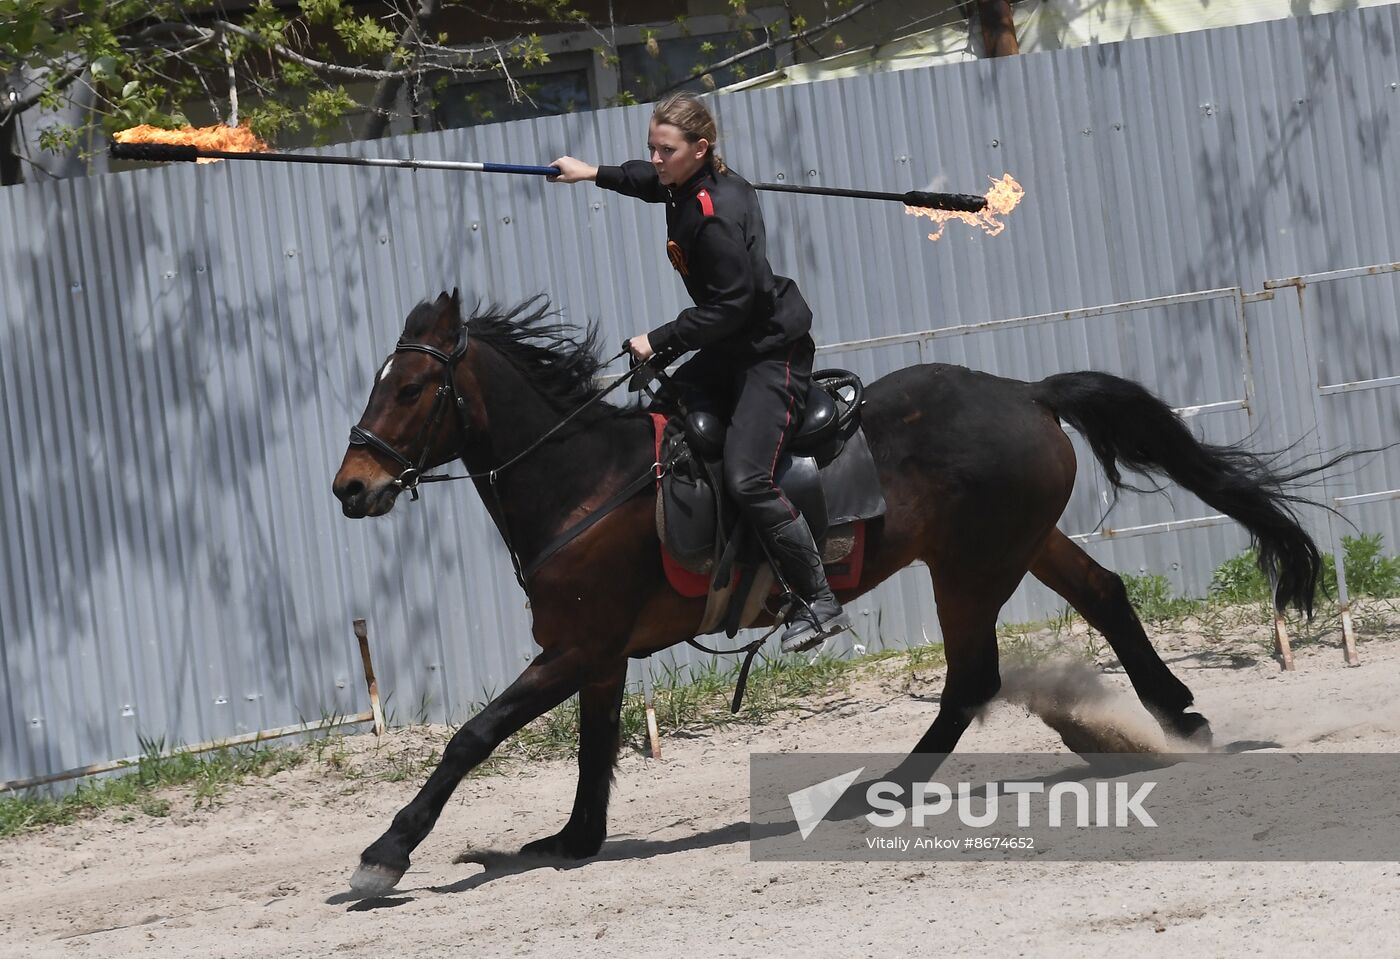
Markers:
point(319, 11)
point(366, 36)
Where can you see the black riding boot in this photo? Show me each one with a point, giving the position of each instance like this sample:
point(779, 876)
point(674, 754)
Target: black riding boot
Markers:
point(814, 614)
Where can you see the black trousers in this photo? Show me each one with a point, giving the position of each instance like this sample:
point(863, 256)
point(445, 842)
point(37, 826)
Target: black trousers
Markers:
point(764, 398)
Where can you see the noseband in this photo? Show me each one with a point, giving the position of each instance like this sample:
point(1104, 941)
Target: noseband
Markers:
point(447, 395)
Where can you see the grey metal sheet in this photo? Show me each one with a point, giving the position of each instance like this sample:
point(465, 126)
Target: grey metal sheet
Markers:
point(184, 349)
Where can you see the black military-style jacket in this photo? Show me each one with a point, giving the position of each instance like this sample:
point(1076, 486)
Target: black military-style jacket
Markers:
point(715, 240)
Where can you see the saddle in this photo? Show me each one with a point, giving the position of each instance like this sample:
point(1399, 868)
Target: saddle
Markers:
point(826, 472)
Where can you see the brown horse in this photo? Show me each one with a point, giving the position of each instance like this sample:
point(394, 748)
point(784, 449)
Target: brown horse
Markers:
point(975, 468)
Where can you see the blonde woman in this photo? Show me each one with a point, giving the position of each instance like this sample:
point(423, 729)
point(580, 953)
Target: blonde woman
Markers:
point(751, 329)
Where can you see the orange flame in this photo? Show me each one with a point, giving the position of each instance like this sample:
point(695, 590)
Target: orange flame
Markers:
point(1002, 198)
point(217, 137)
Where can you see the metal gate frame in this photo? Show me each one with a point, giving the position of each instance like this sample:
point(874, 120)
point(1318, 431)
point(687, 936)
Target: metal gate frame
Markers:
point(1318, 388)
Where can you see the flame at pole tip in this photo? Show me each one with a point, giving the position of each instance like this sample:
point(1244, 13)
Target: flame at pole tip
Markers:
point(1002, 197)
point(217, 137)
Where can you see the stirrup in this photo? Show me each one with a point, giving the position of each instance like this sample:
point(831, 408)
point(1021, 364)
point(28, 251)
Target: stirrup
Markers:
point(808, 632)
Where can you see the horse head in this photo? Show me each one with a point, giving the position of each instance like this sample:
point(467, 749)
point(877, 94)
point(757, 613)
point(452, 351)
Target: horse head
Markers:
point(420, 410)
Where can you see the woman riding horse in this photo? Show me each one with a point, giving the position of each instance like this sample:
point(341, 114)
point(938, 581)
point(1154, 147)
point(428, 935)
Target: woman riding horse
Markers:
point(750, 326)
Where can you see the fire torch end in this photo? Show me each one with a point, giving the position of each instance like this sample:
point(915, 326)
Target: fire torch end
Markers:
point(965, 202)
point(153, 152)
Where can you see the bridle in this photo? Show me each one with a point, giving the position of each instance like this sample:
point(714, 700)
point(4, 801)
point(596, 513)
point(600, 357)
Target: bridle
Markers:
point(448, 395)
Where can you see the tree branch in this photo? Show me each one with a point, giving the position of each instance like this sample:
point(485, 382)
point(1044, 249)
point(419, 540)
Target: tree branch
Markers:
point(771, 43)
point(13, 107)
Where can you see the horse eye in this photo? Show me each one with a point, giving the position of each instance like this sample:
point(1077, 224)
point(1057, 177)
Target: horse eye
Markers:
point(410, 393)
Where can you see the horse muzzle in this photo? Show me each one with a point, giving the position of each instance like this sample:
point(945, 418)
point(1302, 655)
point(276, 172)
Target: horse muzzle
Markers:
point(363, 485)
point(358, 500)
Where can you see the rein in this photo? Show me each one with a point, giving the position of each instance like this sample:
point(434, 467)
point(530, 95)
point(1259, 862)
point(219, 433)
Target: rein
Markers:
point(448, 395)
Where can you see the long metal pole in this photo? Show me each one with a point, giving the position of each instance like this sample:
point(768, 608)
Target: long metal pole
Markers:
point(176, 152)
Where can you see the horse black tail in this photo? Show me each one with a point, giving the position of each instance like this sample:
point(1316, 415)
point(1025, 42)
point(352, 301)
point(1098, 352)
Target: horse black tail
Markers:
point(1125, 424)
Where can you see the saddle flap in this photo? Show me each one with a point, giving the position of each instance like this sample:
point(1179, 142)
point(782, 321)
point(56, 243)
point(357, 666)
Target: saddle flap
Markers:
point(851, 483)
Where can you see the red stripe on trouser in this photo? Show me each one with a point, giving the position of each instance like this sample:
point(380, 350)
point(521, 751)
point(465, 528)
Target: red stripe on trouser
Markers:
point(778, 449)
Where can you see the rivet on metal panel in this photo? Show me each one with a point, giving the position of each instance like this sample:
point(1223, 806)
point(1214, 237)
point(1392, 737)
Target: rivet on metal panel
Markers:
point(1087, 132)
point(36, 722)
point(996, 143)
point(127, 711)
point(475, 227)
point(291, 252)
point(1208, 109)
point(1300, 101)
point(75, 286)
point(383, 238)
point(199, 269)
point(432, 667)
point(221, 701)
point(811, 172)
point(340, 684)
point(1117, 126)
point(904, 159)
point(505, 219)
point(252, 697)
point(596, 206)
point(170, 274)
point(782, 176)
point(1395, 86)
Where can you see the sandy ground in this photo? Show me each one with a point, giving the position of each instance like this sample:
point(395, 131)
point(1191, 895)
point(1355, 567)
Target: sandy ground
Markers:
point(263, 871)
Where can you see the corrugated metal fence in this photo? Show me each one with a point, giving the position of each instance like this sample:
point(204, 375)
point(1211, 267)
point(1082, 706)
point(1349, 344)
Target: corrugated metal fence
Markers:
point(184, 349)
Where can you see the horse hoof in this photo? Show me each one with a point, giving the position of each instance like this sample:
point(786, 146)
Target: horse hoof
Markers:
point(371, 879)
point(560, 846)
point(1195, 729)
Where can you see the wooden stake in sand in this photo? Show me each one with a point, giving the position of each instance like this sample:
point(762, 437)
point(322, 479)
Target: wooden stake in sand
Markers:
point(1281, 644)
point(653, 733)
point(362, 634)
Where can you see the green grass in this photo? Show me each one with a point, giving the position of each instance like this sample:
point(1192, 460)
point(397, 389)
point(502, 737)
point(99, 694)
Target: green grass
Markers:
point(1369, 572)
point(696, 700)
point(208, 775)
point(1154, 600)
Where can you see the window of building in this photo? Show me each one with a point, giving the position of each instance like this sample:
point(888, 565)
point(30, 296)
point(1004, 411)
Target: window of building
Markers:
point(489, 101)
point(646, 76)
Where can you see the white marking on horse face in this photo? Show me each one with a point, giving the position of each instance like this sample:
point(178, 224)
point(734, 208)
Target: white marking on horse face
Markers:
point(384, 373)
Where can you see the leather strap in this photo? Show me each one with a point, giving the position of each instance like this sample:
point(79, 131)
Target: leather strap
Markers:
point(578, 529)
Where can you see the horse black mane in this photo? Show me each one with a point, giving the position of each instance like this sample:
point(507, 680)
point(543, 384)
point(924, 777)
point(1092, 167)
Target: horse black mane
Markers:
point(560, 360)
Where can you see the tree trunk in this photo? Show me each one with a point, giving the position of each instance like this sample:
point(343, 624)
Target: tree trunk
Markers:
point(388, 90)
point(10, 170)
point(998, 29)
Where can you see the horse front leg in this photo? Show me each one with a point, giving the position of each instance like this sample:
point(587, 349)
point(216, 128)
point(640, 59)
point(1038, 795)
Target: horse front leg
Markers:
point(600, 714)
point(549, 680)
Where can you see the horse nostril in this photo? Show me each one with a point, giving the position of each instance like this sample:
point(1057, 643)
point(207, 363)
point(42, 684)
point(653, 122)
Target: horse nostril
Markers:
point(347, 490)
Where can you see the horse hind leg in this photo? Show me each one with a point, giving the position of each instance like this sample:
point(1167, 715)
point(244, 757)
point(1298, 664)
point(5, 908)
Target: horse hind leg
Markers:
point(600, 715)
point(1098, 594)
